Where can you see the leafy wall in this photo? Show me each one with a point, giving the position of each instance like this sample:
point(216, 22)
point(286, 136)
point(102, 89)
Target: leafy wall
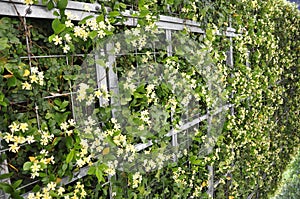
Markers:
point(42, 146)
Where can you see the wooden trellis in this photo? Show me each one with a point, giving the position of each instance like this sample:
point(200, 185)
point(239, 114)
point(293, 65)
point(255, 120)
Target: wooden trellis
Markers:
point(166, 23)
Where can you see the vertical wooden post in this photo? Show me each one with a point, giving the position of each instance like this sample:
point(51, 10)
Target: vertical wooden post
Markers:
point(112, 86)
point(112, 76)
point(210, 168)
point(169, 53)
point(100, 73)
point(230, 63)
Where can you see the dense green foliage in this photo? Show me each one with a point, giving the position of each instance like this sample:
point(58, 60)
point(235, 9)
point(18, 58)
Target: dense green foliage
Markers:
point(249, 156)
point(290, 187)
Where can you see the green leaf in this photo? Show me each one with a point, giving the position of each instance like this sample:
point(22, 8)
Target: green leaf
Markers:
point(209, 34)
point(144, 13)
point(51, 38)
point(16, 194)
point(141, 3)
point(56, 141)
point(3, 102)
point(64, 167)
point(114, 13)
point(55, 13)
point(57, 26)
point(100, 18)
point(36, 188)
point(93, 34)
point(62, 4)
point(6, 175)
point(57, 102)
point(7, 188)
point(141, 88)
point(11, 82)
point(83, 21)
point(70, 156)
point(50, 5)
point(99, 175)
point(69, 142)
point(195, 161)
point(59, 117)
point(3, 43)
point(17, 184)
point(157, 175)
point(27, 166)
point(48, 116)
point(64, 104)
point(53, 194)
point(91, 170)
point(138, 95)
point(122, 5)
point(59, 109)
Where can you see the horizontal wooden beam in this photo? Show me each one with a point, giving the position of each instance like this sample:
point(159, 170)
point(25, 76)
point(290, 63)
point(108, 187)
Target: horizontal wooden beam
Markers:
point(81, 10)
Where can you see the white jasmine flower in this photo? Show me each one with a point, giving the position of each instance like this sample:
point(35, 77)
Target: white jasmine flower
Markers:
point(57, 40)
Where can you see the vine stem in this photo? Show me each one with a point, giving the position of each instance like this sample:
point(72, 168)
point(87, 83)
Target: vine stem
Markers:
point(28, 41)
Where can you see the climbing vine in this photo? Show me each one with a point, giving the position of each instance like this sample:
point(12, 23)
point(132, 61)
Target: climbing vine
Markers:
point(43, 143)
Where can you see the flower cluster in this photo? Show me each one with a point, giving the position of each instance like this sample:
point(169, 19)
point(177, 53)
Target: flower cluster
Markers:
point(151, 94)
point(39, 163)
point(84, 157)
point(185, 93)
point(87, 95)
point(35, 76)
point(89, 29)
point(149, 164)
point(111, 168)
point(52, 189)
point(129, 84)
point(67, 127)
point(136, 179)
point(16, 137)
point(30, 2)
point(46, 137)
point(177, 177)
point(145, 117)
point(102, 94)
point(137, 40)
point(122, 149)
